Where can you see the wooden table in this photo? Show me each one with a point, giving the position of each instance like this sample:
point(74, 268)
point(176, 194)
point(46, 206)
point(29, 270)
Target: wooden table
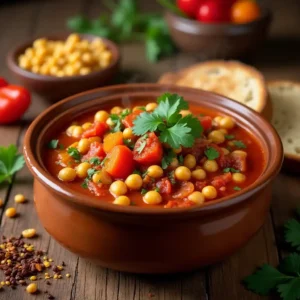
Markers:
point(280, 59)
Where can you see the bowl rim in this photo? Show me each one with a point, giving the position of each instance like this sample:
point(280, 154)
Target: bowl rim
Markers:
point(11, 58)
point(41, 174)
point(266, 15)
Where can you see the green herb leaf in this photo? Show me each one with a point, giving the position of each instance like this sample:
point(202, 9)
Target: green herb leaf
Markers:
point(211, 153)
point(229, 136)
point(61, 147)
point(265, 280)
point(10, 162)
point(143, 191)
point(95, 161)
point(146, 122)
point(237, 188)
point(91, 172)
point(171, 177)
point(118, 123)
point(232, 170)
point(129, 143)
point(53, 144)
point(290, 290)
point(85, 183)
point(167, 158)
point(239, 144)
point(103, 162)
point(292, 233)
point(291, 264)
point(137, 172)
point(157, 189)
point(180, 159)
point(73, 152)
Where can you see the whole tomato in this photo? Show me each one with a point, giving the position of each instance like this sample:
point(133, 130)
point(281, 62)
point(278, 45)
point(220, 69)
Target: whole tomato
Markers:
point(213, 11)
point(189, 7)
point(244, 11)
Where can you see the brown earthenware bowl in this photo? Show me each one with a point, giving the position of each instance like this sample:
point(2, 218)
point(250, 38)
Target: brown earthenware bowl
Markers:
point(157, 240)
point(56, 88)
point(222, 40)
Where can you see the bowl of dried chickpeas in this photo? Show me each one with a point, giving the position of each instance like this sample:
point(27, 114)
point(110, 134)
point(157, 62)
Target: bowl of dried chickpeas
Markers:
point(61, 65)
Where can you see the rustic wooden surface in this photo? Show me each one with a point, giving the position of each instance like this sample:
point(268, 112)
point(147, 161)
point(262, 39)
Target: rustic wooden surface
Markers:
point(20, 20)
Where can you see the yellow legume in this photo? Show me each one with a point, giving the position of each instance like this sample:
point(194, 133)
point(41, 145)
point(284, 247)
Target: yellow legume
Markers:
point(151, 106)
point(67, 174)
point(102, 177)
point(29, 233)
point(227, 123)
point(77, 132)
point(209, 192)
point(86, 125)
point(210, 166)
point(127, 133)
point(134, 182)
point(197, 197)
point(122, 200)
point(238, 177)
point(83, 146)
point(31, 288)
point(81, 169)
point(101, 116)
point(199, 174)
point(10, 212)
point(152, 197)
point(189, 161)
point(116, 110)
point(216, 136)
point(118, 188)
point(155, 171)
point(183, 173)
point(20, 198)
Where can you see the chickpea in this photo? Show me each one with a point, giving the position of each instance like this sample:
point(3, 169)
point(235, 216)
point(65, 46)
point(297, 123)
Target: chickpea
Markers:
point(137, 108)
point(184, 113)
point(31, 288)
point(128, 134)
point(39, 43)
point(118, 188)
point(155, 171)
point(116, 110)
point(25, 63)
point(217, 119)
point(178, 150)
point(10, 212)
point(174, 163)
point(199, 174)
point(86, 125)
point(77, 132)
point(60, 73)
point(189, 161)
point(183, 173)
point(197, 198)
point(95, 139)
point(152, 197)
point(151, 106)
point(210, 166)
point(53, 70)
point(35, 69)
point(85, 71)
point(216, 136)
point(122, 200)
point(134, 182)
point(20, 198)
point(223, 130)
point(82, 169)
point(225, 151)
point(238, 177)
point(209, 192)
point(87, 58)
point(240, 153)
point(29, 233)
point(110, 122)
point(83, 146)
point(227, 123)
point(67, 174)
point(102, 177)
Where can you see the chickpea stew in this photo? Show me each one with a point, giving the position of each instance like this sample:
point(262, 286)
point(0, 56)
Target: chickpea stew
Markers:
point(166, 154)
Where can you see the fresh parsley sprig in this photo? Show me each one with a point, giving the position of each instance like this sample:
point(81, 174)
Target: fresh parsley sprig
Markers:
point(73, 152)
point(211, 153)
point(166, 120)
point(292, 232)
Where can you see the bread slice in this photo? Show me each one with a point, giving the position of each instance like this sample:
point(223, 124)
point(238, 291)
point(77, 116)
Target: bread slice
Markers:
point(232, 79)
point(285, 97)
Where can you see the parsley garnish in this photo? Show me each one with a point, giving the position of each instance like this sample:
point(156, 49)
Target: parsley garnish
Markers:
point(129, 143)
point(118, 123)
point(211, 153)
point(85, 183)
point(173, 129)
point(73, 152)
point(91, 172)
point(143, 191)
point(157, 189)
point(53, 144)
point(143, 144)
point(232, 170)
point(292, 233)
point(167, 158)
point(239, 144)
point(137, 172)
point(229, 136)
point(95, 161)
point(171, 177)
point(145, 174)
point(61, 147)
point(180, 159)
point(237, 188)
point(10, 162)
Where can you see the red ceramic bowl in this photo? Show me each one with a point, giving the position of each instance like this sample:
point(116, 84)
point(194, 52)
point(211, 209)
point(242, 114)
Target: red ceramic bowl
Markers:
point(56, 88)
point(136, 239)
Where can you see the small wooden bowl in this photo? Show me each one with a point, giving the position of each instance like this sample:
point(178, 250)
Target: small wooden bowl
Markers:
point(56, 88)
point(215, 41)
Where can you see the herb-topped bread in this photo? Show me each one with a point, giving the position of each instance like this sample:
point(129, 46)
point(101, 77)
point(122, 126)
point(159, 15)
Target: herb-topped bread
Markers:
point(285, 97)
point(232, 79)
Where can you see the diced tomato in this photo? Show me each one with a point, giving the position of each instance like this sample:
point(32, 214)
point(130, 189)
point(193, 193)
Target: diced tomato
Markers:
point(165, 186)
point(185, 189)
point(198, 148)
point(128, 120)
point(206, 122)
point(221, 180)
point(119, 162)
point(96, 150)
point(148, 151)
point(182, 204)
point(171, 204)
point(238, 161)
point(223, 161)
point(96, 189)
point(98, 129)
point(199, 185)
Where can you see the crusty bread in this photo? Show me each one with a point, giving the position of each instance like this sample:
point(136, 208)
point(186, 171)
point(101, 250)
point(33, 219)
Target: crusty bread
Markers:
point(285, 97)
point(233, 79)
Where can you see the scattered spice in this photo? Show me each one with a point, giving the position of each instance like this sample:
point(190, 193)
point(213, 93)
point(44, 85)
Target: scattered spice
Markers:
point(31, 288)
point(11, 212)
point(29, 233)
point(19, 198)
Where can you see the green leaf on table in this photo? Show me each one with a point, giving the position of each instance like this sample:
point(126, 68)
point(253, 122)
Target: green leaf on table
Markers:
point(290, 290)
point(292, 233)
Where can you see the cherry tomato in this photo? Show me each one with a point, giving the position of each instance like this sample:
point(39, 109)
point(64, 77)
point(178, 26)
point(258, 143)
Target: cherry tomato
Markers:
point(244, 11)
point(189, 7)
point(213, 12)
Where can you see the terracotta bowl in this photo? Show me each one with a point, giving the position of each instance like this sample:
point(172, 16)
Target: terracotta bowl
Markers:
point(136, 239)
point(56, 88)
point(222, 41)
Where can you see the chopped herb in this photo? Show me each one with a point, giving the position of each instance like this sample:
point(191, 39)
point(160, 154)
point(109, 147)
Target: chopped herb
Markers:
point(237, 188)
point(145, 174)
point(229, 136)
point(85, 183)
point(292, 233)
point(91, 172)
point(143, 144)
point(157, 189)
point(103, 162)
point(171, 177)
point(180, 159)
point(167, 158)
point(53, 144)
point(143, 191)
point(125, 113)
point(73, 152)
point(137, 172)
point(118, 123)
point(129, 143)
point(232, 170)
point(211, 153)
point(173, 129)
point(95, 161)
point(239, 144)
